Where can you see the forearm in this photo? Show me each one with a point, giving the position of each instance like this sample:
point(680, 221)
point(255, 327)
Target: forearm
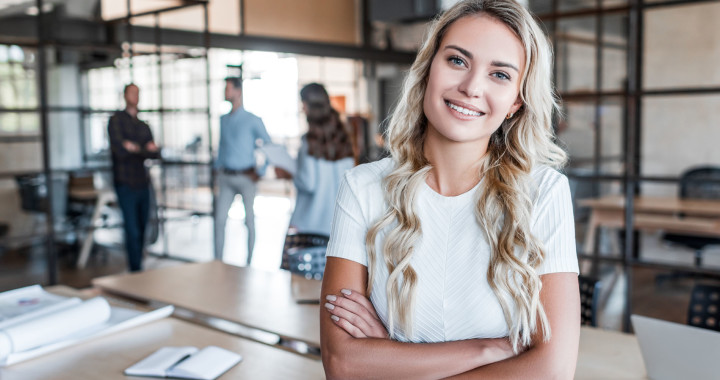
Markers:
point(116, 140)
point(355, 345)
point(555, 358)
point(382, 358)
point(532, 364)
point(151, 154)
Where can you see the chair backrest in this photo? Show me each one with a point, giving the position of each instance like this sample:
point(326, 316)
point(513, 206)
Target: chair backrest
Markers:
point(704, 308)
point(82, 180)
point(301, 240)
point(701, 183)
point(33, 191)
point(589, 293)
point(308, 261)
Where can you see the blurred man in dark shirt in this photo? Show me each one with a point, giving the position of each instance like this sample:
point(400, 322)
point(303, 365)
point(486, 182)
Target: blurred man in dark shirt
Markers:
point(131, 143)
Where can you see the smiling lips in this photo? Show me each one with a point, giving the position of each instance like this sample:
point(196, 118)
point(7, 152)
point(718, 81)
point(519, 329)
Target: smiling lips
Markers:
point(464, 111)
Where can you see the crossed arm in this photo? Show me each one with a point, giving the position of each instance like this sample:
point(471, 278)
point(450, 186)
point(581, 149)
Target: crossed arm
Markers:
point(123, 147)
point(355, 344)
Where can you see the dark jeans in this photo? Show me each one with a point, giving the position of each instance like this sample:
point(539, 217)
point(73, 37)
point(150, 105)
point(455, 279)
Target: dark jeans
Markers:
point(135, 205)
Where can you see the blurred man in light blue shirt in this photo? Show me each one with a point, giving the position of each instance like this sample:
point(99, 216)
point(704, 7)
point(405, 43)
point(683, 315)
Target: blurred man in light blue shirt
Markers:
point(235, 164)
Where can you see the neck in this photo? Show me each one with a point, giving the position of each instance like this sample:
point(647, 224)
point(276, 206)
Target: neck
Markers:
point(236, 105)
point(456, 166)
point(132, 110)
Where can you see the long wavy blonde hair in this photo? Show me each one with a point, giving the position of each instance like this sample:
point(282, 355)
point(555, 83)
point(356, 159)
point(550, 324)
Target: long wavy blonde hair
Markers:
point(503, 204)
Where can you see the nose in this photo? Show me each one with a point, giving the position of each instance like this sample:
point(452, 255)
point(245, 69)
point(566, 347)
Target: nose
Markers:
point(473, 84)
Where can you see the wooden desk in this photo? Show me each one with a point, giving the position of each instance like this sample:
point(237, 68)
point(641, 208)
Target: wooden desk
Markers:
point(608, 355)
point(262, 300)
point(702, 217)
point(250, 297)
point(107, 357)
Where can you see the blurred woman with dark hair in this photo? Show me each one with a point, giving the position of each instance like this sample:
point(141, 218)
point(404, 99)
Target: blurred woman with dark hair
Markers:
point(325, 154)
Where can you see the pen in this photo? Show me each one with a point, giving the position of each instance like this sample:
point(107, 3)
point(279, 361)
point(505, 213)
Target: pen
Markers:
point(182, 359)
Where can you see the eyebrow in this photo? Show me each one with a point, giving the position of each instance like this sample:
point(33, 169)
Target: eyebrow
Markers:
point(493, 63)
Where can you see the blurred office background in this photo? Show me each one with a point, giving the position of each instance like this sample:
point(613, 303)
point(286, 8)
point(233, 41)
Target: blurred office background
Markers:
point(638, 79)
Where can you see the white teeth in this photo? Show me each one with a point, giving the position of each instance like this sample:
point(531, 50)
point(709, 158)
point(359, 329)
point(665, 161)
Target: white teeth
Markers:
point(462, 110)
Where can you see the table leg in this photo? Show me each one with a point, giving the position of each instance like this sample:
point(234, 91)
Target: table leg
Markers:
point(103, 199)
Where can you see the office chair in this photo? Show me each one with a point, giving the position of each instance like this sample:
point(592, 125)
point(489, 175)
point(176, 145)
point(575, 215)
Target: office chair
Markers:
point(307, 261)
point(301, 240)
point(694, 185)
point(589, 294)
point(704, 308)
point(34, 199)
point(33, 191)
point(4, 228)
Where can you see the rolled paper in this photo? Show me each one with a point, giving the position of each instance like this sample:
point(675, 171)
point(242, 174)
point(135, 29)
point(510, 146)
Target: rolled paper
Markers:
point(5, 345)
point(53, 327)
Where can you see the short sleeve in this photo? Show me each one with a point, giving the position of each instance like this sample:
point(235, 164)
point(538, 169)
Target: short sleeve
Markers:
point(554, 225)
point(347, 235)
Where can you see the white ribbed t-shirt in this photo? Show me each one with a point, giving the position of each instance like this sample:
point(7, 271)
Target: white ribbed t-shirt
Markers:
point(454, 300)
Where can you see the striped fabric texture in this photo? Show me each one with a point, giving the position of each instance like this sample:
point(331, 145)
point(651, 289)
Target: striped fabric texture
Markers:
point(454, 300)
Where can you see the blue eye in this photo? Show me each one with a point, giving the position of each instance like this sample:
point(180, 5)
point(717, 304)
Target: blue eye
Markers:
point(501, 75)
point(457, 61)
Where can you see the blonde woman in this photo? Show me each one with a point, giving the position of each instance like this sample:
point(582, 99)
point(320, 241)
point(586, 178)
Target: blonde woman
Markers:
point(456, 255)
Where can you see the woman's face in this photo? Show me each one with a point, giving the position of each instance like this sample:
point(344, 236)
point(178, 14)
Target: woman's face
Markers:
point(474, 80)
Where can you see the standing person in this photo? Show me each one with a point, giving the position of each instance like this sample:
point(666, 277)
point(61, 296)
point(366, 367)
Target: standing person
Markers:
point(326, 152)
point(236, 172)
point(131, 143)
point(455, 257)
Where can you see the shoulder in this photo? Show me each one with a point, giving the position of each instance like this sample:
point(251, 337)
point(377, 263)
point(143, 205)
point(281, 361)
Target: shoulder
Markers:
point(250, 116)
point(117, 115)
point(370, 174)
point(543, 174)
point(547, 181)
point(364, 182)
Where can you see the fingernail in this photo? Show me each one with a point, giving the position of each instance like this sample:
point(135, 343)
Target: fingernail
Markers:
point(346, 292)
point(329, 306)
point(335, 318)
point(331, 298)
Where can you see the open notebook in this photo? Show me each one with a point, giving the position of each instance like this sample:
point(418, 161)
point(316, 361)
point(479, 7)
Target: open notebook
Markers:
point(34, 322)
point(186, 363)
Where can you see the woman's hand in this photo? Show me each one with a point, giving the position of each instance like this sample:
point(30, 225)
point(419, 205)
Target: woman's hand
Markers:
point(498, 349)
point(282, 173)
point(355, 314)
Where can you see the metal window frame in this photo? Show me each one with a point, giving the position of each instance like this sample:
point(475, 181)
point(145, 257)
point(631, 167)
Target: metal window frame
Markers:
point(632, 96)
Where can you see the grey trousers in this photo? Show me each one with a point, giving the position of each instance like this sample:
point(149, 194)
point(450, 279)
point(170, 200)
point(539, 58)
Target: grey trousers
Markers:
point(229, 185)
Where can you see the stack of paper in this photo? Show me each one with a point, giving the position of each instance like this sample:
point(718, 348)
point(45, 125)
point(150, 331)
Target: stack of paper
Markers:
point(34, 322)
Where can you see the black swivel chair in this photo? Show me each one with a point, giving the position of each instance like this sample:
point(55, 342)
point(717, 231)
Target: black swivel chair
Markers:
point(697, 183)
point(300, 240)
point(4, 228)
point(589, 294)
point(308, 261)
point(704, 309)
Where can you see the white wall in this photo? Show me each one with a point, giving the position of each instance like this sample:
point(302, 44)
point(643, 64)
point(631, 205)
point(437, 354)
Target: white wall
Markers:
point(682, 49)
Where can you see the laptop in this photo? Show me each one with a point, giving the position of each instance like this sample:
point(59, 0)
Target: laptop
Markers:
point(676, 351)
